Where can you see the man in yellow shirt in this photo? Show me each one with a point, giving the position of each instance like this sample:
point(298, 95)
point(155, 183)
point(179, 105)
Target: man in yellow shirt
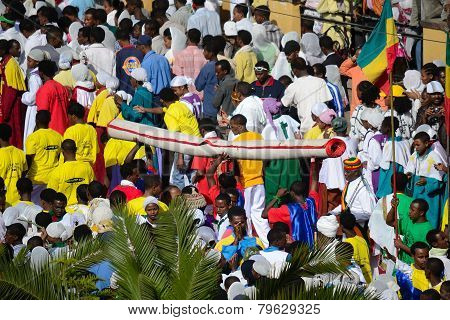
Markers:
point(251, 179)
point(43, 148)
point(69, 175)
point(13, 164)
point(245, 58)
point(152, 186)
point(83, 134)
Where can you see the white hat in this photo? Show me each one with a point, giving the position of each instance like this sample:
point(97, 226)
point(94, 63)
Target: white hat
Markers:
point(427, 129)
point(413, 81)
point(112, 83)
point(180, 81)
point(262, 267)
point(10, 216)
point(375, 118)
point(73, 220)
point(206, 234)
point(59, 230)
point(39, 257)
point(328, 225)
point(80, 72)
point(150, 200)
point(435, 87)
point(230, 29)
point(139, 74)
point(236, 289)
point(102, 77)
point(39, 55)
point(318, 108)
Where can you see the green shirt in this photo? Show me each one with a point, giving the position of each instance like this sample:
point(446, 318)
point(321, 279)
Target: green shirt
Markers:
point(413, 232)
point(404, 202)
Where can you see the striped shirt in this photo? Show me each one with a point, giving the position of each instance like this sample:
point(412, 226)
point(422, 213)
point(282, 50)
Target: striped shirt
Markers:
point(336, 103)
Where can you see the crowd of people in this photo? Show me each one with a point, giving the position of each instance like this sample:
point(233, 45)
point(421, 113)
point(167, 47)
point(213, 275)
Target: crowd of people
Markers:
point(69, 69)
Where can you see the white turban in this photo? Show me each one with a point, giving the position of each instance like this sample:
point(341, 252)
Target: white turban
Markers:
point(150, 200)
point(102, 77)
point(230, 29)
point(112, 84)
point(65, 60)
point(39, 55)
point(73, 220)
point(59, 230)
point(139, 74)
point(39, 257)
point(80, 72)
point(435, 87)
point(180, 81)
point(413, 81)
point(328, 225)
point(318, 108)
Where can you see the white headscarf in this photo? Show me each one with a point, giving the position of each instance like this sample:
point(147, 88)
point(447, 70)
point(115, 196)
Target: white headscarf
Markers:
point(180, 81)
point(413, 81)
point(375, 118)
point(74, 28)
point(39, 257)
point(80, 72)
point(328, 225)
point(59, 230)
point(39, 55)
point(267, 50)
point(290, 36)
point(65, 60)
point(141, 75)
point(236, 289)
point(435, 87)
point(311, 48)
point(102, 77)
point(229, 29)
point(150, 200)
point(179, 40)
point(112, 83)
point(333, 75)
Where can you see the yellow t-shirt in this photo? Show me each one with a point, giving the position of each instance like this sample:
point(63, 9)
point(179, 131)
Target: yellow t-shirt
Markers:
point(313, 133)
point(179, 118)
point(85, 138)
point(68, 176)
point(108, 112)
point(361, 256)
point(251, 171)
point(136, 206)
point(94, 111)
point(12, 164)
point(116, 151)
point(45, 145)
point(445, 217)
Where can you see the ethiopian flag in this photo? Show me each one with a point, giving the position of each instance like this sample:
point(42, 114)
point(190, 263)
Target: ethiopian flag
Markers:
point(379, 52)
point(447, 86)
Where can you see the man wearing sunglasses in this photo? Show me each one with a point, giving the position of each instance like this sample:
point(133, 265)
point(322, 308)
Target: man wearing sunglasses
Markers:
point(266, 86)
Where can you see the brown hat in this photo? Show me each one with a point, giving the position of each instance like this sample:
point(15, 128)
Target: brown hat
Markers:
point(195, 200)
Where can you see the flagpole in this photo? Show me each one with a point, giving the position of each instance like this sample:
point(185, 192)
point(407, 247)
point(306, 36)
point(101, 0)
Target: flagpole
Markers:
point(394, 178)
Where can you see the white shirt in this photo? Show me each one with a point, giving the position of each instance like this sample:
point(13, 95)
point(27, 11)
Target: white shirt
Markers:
point(98, 57)
point(304, 93)
point(35, 40)
point(402, 154)
point(12, 33)
point(360, 199)
point(382, 234)
point(222, 226)
point(252, 108)
point(34, 83)
point(284, 121)
point(244, 24)
point(277, 260)
point(208, 22)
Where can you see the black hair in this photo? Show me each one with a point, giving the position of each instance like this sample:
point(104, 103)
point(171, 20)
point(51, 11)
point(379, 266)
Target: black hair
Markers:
point(69, 145)
point(436, 267)
point(2, 184)
point(126, 170)
point(263, 11)
point(241, 8)
point(194, 35)
point(430, 69)
point(326, 42)
point(231, 279)
point(122, 35)
point(239, 119)
point(299, 188)
point(75, 109)
point(182, 1)
point(402, 104)
point(206, 124)
point(17, 229)
point(117, 198)
point(219, 42)
point(27, 25)
point(49, 12)
point(53, 33)
point(386, 127)
point(227, 180)
point(92, 12)
point(43, 117)
point(24, 185)
point(48, 195)
point(422, 136)
point(275, 235)
point(423, 204)
point(85, 32)
point(101, 15)
point(60, 197)
point(244, 88)
point(116, 4)
point(167, 33)
point(82, 192)
point(211, 46)
point(430, 294)
point(401, 180)
point(153, 25)
point(320, 69)
point(236, 212)
point(189, 190)
point(17, 10)
point(206, 40)
point(432, 236)
point(43, 219)
point(224, 197)
point(151, 181)
point(198, 2)
point(262, 64)
point(291, 46)
point(167, 95)
point(224, 65)
point(285, 80)
point(34, 242)
point(445, 286)
point(70, 11)
point(246, 268)
point(308, 24)
point(299, 64)
point(4, 45)
point(97, 35)
point(281, 226)
point(126, 24)
point(369, 95)
point(245, 36)
point(348, 220)
point(418, 245)
point(64, 23)
point(97, 189)
point(48, 68)
point(5, 131)
point(82, 233)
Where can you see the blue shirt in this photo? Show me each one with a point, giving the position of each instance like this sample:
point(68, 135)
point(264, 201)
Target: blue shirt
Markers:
point(158, 70)
point(82, 6)
point(207, 81)
point(336, 104)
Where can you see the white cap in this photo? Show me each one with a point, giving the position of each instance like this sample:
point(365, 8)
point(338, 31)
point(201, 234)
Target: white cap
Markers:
point(318, 108)
point(427, 129)
point(180, 81)
point(435, 87)
point(230, 28)
point(262, 267)
point(328, 225)
point(375, 118)
point(139, 74)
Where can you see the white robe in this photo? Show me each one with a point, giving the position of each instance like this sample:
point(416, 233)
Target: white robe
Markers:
point(29, 99)
point(284, 121)
point(424, 167)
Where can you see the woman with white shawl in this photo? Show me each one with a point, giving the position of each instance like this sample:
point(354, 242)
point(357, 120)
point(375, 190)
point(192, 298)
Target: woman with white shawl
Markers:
point(311, 48)
point(34, 83)
point(84, 91)
point(174, 40)
point(265, 50)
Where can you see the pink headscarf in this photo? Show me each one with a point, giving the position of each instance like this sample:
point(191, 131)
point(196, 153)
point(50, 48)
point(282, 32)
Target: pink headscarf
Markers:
point(327, 116)
point(271, 106)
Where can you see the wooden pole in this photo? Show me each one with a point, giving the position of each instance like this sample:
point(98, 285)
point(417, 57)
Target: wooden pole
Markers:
point(394, 171)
